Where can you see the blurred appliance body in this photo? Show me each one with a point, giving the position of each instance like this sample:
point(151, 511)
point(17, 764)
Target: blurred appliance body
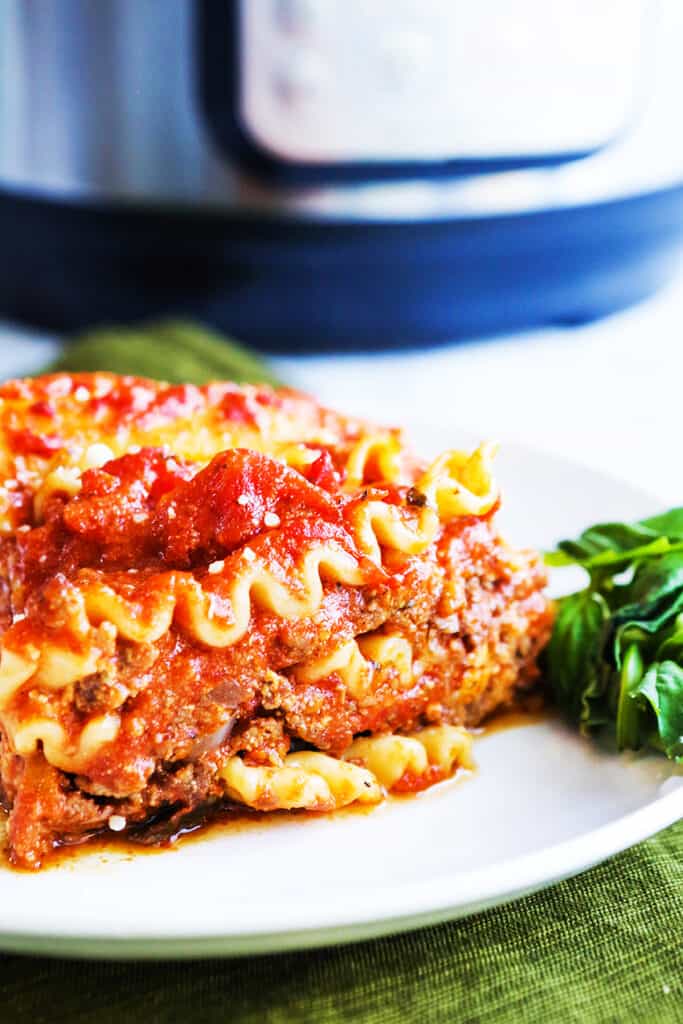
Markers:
point(312, 173)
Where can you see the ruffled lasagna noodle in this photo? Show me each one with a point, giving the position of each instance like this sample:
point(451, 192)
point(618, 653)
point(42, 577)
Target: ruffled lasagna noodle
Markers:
point(216, 596)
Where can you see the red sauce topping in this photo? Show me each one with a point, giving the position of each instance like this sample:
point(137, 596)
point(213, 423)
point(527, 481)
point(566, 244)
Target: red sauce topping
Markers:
point(26, 442)
point(150, 510)
point(238, 496)
point(410, 782)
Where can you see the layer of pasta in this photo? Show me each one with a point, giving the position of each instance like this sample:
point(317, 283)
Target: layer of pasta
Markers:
point(230, 595)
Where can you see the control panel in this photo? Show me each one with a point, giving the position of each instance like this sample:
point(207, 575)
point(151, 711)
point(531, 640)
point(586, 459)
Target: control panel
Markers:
point(349, 81)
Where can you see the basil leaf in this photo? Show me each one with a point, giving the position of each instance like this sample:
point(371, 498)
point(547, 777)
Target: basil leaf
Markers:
point(572, 657)
point(670, 642)
point(655, 581)
point(668, 523)
point(628, 679)
point(615, 545)
point(662, 687)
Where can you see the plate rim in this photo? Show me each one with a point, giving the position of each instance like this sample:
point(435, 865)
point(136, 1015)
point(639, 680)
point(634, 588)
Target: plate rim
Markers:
point(429, 902)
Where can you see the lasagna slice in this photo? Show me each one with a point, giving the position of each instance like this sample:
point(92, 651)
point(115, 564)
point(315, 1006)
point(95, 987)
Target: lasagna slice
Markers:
point(221, 595)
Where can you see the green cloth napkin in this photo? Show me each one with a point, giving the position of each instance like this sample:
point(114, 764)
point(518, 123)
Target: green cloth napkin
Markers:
point(604, 947)
point(170, 350)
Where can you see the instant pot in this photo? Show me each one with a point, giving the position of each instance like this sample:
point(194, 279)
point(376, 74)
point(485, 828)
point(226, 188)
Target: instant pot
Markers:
point(338, 173)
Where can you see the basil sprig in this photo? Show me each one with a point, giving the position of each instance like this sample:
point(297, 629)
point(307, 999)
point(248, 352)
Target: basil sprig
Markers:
point(615, 659)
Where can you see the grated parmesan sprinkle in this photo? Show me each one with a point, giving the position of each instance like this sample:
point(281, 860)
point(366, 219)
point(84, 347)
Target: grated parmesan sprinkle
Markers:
point(243, 500)
point(249, 554)
point(271, 519)
point(216, 567)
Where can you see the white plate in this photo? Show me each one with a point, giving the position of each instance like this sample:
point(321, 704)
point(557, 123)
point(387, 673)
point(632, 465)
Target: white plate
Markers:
point(543, 805)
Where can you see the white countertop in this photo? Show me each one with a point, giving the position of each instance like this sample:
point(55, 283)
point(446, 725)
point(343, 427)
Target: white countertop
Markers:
point(609, 394)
